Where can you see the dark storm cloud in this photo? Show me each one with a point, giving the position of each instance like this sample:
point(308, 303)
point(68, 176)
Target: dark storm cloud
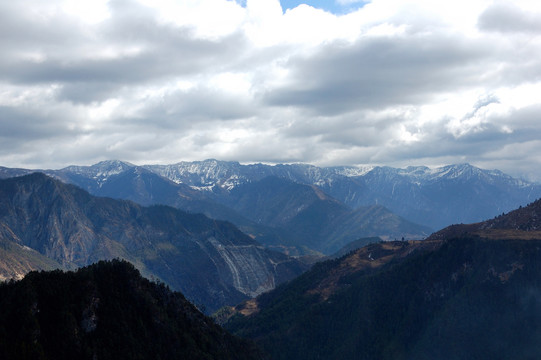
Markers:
point(87, 92)
point(443, 145)
point(27, 133)
point(525, 119)
point(378, 73)
point(155, 62)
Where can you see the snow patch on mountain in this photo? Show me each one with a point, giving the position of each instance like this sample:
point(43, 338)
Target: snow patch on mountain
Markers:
point(101, 171)
point(352, 171)
point(433, 196)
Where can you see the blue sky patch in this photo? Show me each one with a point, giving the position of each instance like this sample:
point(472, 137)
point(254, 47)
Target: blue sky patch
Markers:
point(332, 6)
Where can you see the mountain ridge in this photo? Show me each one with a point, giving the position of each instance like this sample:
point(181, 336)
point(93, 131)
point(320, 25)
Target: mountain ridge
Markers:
point(224, 202)
point(210, 261)
point(434, 197)
point(521, 223)
point(311, 218)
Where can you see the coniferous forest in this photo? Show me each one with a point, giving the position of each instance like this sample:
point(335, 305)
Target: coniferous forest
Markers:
point(107, 311)
point(472, 298)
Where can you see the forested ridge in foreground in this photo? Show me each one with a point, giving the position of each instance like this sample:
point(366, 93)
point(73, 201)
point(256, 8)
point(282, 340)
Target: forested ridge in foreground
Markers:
point(107, 311)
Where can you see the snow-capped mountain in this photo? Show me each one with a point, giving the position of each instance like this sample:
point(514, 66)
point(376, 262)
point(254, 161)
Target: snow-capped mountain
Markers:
point(442, 196)
point(226, 175)
point(276, 205)
point(435, 197)
point(204, 175)
point(100, 172)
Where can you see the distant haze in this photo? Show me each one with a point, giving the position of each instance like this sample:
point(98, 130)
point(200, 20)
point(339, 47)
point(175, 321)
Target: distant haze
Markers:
point(345, 82)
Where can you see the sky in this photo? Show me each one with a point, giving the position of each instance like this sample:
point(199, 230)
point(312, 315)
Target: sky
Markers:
point(345, 82)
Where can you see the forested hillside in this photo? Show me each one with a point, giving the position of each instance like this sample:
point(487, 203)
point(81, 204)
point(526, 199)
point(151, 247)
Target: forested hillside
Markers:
point(464, 298)
point(107, 311)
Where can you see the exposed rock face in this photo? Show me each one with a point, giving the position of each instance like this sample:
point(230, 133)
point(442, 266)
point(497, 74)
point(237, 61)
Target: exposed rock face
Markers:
point(210, 261)
point(17, 260)
point(249, 270)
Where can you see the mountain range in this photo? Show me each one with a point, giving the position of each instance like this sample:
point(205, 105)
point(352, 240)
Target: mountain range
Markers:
point(45, 223)
point(278, 212)
point(299, 208)
point(434, 197)
point(467, 292)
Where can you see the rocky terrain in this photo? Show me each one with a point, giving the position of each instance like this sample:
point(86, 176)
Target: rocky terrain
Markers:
point(211, 262)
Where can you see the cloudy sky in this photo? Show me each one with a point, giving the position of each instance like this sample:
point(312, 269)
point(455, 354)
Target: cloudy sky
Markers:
point(390, 82)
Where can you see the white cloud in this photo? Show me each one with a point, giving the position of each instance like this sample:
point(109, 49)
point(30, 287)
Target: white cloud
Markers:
point(208, 18)
point(92, 12)
point(395, 82)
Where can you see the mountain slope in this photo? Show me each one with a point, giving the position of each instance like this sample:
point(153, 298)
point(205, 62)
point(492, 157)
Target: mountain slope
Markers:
point(309, 217)
point(107, 311)
point(17, 260)
point(121, 180)
point(522, 223)
point(468, 298)
point(450, 194)
point(370, 221)
point(211, 262)
point(268, 203)
point(469, 291)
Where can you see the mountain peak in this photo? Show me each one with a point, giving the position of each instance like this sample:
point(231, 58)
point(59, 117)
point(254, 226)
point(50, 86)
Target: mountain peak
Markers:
point(100, 171)
point(113, 163)
point(105, 165)
point(433, 196)
point(111, 167)
point(38, 179)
